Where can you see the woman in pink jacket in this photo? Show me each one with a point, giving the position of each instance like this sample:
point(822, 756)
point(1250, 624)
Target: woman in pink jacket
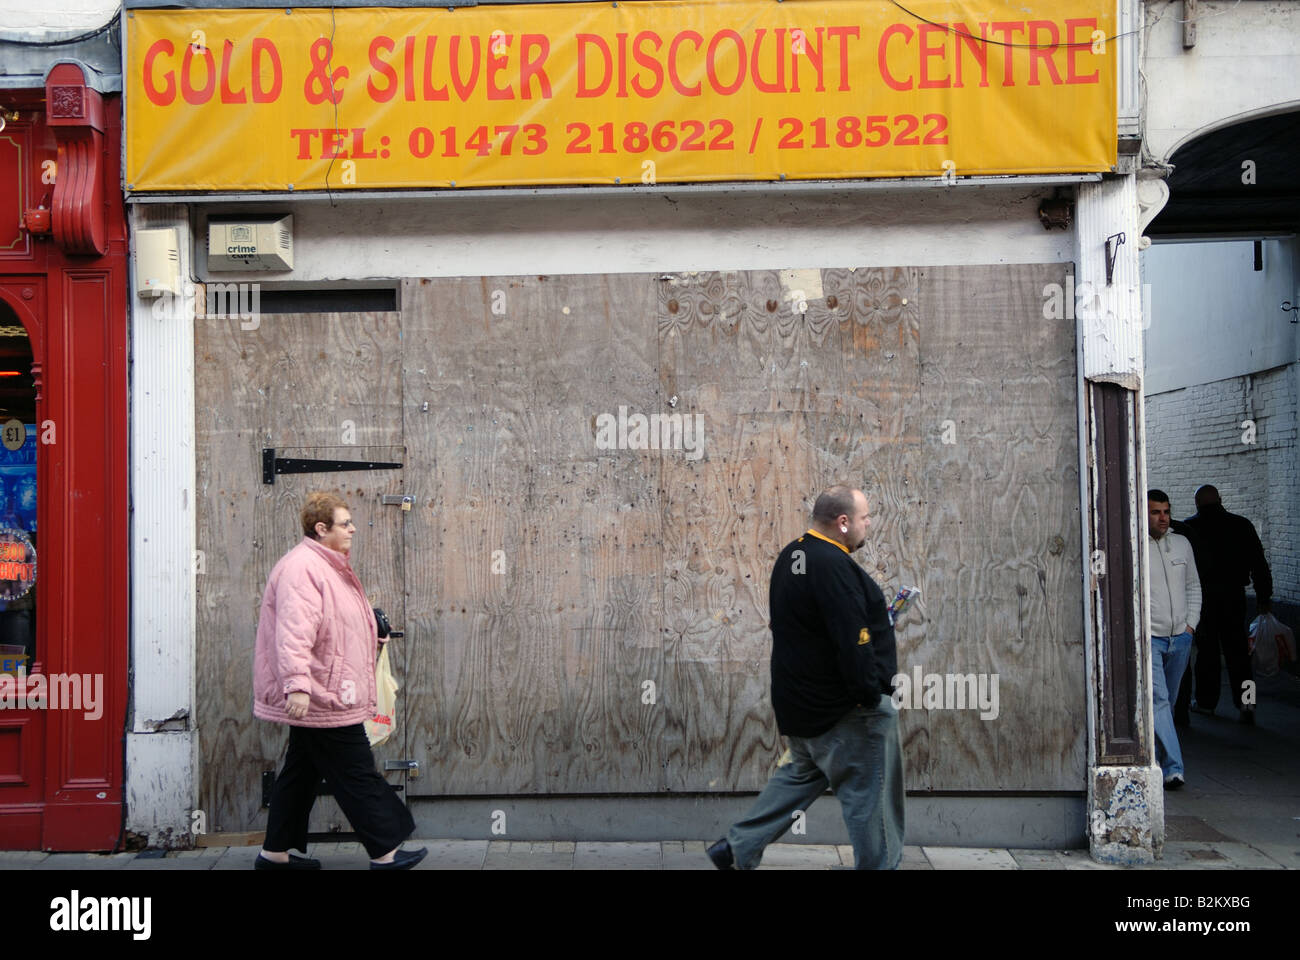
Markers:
point(315, 670)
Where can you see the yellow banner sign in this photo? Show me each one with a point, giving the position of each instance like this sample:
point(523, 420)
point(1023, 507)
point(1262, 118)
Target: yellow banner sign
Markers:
point(694, 90)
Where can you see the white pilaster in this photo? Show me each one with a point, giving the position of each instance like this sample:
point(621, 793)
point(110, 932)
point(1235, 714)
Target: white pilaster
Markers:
point(162, 743)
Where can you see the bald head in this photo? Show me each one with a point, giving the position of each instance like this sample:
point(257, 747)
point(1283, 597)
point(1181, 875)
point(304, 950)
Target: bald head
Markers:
point(840, 513)
point(833, 503)
point(1207, 496)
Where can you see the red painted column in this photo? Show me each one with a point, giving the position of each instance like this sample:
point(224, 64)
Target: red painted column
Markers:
point(76, 316)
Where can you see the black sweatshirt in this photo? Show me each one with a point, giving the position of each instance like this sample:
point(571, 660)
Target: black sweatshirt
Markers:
point(1232, 552)
point(832, 643)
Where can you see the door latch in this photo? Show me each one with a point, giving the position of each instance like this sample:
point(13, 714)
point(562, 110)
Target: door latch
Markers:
point(396, 499)
point(412, 767)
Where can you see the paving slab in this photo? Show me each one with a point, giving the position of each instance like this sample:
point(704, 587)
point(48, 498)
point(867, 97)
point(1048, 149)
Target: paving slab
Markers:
point(84, 861)
point(1245, 857)
point(347, 849)
point(172, 861)
point(1209, 856)
point(539, 861)
point(1036, 859)
point(970, 858)
point(340, 856)
point(1285, 854)
point(799, 856)
point(236, 858)
point(451, 854)
point(527, 848)
point(520, 855)
point(1082, 860)
point(618, 856)
point(20, 859)
point(687, 860)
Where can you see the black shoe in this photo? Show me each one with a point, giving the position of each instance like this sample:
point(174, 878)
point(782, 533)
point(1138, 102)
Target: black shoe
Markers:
point(402, 860)
point(295, 863)
point(720, 854)
point(1174, 783)
point(1247, 716)
point(1197, 708)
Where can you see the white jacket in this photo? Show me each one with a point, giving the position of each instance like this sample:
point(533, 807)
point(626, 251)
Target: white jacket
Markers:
point(1175, 586)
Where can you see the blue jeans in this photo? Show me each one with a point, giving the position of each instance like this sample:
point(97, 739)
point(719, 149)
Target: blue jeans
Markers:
point(861, 760)
point(1169, 656)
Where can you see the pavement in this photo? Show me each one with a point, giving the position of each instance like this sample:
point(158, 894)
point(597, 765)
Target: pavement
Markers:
point(1242, 798)
point(662, 855)
point(1240, 810)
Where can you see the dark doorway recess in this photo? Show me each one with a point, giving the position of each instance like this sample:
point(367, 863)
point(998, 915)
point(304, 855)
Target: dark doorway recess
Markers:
point(1239, 179)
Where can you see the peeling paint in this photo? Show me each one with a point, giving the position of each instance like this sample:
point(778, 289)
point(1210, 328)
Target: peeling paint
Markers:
point(1129, 380)
point(806, 283)
point(1127, 821)
point(180, 720)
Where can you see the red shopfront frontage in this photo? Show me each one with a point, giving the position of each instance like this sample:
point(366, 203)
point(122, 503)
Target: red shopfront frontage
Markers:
point(64, 480)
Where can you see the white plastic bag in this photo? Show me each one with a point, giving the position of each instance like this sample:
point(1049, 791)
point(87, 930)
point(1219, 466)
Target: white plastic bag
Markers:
point(380, 727)
point(1271, 644)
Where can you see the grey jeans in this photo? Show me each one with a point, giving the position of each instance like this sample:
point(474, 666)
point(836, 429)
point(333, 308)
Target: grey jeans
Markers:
point(861, 760)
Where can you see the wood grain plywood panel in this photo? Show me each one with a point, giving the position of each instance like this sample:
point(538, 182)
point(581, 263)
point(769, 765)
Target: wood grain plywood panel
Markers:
point(549, 579)
point(534, 561)
point(796, 396)
point(1003, 578)
point(304, 384)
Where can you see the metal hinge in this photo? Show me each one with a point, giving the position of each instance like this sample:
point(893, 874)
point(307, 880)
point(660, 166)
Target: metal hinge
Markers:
point(273, 465)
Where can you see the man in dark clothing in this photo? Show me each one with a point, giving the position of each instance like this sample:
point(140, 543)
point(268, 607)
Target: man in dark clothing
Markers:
point(833, 664)
point(1184, 701)
point(1233, 557)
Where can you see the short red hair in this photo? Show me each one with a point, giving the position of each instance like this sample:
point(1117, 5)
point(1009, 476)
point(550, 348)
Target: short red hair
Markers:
point(319, 508)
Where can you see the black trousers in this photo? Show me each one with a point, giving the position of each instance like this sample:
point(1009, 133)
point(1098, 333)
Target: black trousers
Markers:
point(1223, 630)
point(342, 756)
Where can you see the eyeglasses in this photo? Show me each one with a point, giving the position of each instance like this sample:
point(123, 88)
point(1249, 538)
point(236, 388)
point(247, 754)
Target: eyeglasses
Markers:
point(346, 525)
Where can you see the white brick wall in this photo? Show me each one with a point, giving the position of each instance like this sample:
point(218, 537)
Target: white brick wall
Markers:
point(1195, 436)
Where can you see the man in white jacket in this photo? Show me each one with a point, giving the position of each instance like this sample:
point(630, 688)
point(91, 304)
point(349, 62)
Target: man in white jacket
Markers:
point(1175, 595)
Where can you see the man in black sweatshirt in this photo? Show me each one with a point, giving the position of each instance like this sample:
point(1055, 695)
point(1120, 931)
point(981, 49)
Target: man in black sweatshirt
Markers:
point(833, 664)
point(1234, 557)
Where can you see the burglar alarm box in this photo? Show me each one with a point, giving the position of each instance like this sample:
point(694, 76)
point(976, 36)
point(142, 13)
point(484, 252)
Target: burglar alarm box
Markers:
point(243, 243)
point(157, 262)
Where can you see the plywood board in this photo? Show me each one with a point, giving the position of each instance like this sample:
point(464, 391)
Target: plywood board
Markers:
point(534, 558)
point(588, 620)
point(999, 532)
point(311, 386)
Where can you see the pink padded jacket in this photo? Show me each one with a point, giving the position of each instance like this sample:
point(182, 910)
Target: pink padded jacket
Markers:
point(316, 634)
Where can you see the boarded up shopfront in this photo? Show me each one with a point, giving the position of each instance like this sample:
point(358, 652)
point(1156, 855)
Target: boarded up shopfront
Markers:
point(593, 621)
